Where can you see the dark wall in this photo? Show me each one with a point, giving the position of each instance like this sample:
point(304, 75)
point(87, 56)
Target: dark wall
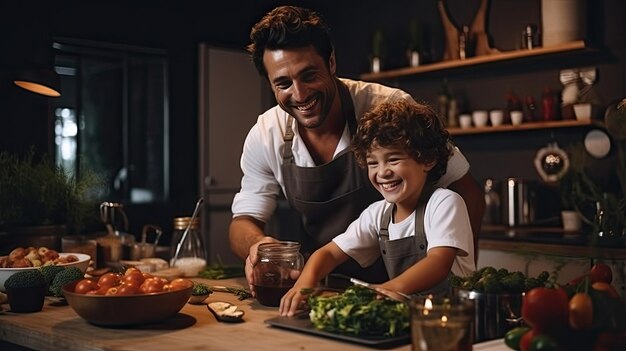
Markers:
point(178, 27)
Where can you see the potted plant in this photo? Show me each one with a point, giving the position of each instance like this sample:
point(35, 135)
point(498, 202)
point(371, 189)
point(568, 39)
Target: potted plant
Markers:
point(41, 199)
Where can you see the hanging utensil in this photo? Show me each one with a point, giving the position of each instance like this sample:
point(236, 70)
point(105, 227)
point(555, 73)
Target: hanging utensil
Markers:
point(186, 232)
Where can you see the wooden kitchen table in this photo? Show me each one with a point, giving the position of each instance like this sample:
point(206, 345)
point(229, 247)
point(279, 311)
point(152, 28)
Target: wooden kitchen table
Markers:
point(58, 328)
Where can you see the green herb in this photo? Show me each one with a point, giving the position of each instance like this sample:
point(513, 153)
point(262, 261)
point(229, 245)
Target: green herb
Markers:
point(200, 289)
point(241, 293)
point(359, 312)
point(222, 271)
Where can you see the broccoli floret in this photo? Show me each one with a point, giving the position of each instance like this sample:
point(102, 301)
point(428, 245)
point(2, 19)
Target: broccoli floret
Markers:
point(543, 276)
point(455, 281)
point(50, 271)
point(485, 271)
point(66, 276)
point(489, 283)
point(514, 282)
point(25, 279)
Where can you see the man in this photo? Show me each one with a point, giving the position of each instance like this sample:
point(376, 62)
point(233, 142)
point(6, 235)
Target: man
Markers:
point(301, 147)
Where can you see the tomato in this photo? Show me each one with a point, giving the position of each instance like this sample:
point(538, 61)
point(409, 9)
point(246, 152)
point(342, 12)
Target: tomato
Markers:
point(109, 280)
point(152, 285)
point(524, 341)
point(128, 289)
point(99, 291)
point(580, 311)
point(180, 284)
point(135, 277)
point(86, 285)
point(601, 272)
point(546, 309)
point(111, 291)
point(608, 288)
point(513, 336)
point(543, 343)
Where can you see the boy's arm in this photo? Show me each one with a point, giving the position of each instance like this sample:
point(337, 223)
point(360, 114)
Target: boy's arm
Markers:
point(321, 262)
point(426, 273)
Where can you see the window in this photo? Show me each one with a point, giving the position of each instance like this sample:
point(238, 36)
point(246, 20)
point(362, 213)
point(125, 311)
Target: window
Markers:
point(113, 117)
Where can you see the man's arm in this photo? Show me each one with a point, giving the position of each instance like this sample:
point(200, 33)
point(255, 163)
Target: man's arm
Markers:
point(244, 231)
point(474, 198)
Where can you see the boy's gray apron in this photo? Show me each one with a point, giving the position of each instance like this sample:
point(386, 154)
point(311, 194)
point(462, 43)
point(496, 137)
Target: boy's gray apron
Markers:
point(401, 254)
point(330, 196)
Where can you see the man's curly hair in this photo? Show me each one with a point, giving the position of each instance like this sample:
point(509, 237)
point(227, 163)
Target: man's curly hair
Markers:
point(410, 125)
point(287, 27)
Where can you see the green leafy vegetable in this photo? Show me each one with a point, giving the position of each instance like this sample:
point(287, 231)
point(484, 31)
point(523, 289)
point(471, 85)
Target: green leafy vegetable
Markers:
point(359, 312)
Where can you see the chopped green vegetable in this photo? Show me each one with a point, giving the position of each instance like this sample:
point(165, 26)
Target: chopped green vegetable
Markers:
point(501, 281)
point(221, 271)
point(359, 312)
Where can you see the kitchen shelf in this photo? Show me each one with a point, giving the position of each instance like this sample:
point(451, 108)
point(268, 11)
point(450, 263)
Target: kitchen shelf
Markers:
point(474, 61)
point(524, 126)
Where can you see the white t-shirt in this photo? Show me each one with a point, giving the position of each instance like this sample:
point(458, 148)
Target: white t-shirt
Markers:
point(261, 158)
point(446, 223)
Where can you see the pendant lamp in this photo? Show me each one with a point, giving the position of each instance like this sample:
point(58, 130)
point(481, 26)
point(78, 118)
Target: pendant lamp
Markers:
point(44, 81)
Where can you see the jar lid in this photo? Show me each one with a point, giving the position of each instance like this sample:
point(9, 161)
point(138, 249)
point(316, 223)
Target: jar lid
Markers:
point(181, 223)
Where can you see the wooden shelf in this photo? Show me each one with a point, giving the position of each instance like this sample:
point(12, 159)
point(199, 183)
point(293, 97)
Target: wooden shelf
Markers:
point(523, 127)
point(474, 61)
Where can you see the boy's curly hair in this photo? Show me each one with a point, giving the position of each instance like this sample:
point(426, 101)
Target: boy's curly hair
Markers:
point(410, 125)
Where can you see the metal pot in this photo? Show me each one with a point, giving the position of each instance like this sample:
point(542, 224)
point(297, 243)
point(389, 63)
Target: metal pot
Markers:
point(519, 202)
point(495, 314)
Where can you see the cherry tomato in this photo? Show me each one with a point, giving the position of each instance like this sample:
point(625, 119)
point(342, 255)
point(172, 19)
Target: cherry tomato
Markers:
point(86, 285)
point(602, 286)
point(135, 277)
point(109, 280)
point(152, 285)
point(180, 284)
point(128, 289)
point(111, 291)
point(580, 311)
point(601, 272)
point(546, 309)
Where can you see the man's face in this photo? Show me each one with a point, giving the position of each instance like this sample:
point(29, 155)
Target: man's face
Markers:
point(302, 82)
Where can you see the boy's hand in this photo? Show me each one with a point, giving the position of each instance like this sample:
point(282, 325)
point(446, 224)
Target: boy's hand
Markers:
point(292, 301)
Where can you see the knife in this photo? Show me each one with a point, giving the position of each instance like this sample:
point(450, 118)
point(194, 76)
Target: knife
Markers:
point(392, 294)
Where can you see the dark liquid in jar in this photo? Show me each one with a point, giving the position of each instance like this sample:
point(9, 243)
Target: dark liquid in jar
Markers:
point(270, 295)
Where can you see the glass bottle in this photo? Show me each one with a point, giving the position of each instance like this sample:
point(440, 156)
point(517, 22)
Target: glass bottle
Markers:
point(278, 267)
point(188, 255)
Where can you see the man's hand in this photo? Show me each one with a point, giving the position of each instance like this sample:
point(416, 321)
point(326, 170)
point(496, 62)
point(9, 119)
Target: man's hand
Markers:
point(252, 259)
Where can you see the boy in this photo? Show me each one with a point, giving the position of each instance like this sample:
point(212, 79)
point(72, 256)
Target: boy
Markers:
point(422, 232)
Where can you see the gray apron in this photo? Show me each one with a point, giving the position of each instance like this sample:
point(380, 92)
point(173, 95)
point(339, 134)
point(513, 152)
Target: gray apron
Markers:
point(401, 254)
point(329, 197)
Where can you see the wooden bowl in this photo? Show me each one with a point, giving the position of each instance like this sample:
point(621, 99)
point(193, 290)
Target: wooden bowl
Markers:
point(126, 310)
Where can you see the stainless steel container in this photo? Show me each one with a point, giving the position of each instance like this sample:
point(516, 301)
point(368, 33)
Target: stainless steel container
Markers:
point(519, 202)
point(495, 314)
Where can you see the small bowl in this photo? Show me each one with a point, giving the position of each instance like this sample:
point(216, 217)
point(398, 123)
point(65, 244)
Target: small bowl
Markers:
point(125, 310)
point(198, 299)
point(82, 264)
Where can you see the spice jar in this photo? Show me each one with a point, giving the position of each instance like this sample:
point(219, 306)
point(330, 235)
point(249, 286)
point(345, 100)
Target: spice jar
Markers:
point(278, 267)
point(187, 251)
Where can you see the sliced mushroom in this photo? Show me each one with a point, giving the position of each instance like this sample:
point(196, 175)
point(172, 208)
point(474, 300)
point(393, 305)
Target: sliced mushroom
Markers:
point(226, 312)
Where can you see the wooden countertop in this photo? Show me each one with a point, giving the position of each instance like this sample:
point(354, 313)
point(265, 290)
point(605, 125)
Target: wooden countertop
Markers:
point(58, 327)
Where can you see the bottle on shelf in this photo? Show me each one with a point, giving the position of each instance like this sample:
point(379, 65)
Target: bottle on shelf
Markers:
point(530, 109)
point(549, 105)
point(443, 100)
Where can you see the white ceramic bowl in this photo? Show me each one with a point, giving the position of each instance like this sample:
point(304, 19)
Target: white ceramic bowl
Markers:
point(82, 264)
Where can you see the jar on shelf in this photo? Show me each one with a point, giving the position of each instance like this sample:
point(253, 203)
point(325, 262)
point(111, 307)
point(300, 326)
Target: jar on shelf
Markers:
point(278, 267)
point(187, 251)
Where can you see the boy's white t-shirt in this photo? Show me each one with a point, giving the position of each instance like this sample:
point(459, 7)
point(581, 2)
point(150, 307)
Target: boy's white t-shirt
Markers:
point(446, 223)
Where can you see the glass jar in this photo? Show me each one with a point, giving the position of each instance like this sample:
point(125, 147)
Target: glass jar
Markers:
point(278, 267)
point(189, 255)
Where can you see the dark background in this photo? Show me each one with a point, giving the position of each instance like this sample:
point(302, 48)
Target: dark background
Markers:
point(178, 26)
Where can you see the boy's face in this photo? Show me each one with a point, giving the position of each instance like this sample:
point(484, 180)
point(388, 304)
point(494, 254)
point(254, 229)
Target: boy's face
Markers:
point(396, 175)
